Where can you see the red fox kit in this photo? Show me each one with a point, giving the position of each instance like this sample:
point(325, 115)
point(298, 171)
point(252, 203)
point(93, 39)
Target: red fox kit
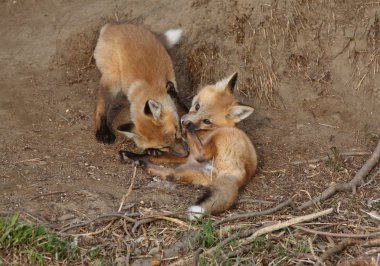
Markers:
point(221, 156)
point(132, 61)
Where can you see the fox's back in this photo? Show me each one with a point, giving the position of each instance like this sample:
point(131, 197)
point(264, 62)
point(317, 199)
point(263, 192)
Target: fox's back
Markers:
point(127, 53)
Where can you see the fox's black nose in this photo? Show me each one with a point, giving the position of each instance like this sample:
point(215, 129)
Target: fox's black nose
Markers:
point(190, 126)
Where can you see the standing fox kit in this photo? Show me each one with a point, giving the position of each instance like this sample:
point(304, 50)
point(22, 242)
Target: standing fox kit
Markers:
point(132, 61)
point(221, 156)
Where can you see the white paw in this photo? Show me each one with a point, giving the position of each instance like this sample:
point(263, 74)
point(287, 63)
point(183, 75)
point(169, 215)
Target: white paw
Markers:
point(195, 212)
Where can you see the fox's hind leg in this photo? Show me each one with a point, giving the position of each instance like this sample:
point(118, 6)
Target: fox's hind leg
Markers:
point(103, 132)
point(190, 175)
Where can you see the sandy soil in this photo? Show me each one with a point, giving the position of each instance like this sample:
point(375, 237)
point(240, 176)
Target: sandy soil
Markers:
point(310, 69)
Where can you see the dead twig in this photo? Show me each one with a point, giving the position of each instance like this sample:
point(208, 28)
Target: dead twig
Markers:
point(372, 242)
point(361, 81)
point(103, 216)
point(183, 261)
point(371, 178)
point(280, 206)
point(351, 185)
point(275, 227)
point(326, 158)
point(48, 194)
point(97, 231)
point(362, 260)
point(310, 257)
point(322, 233)
point(129, 189)
point(29, 160)
point(155, 218)
point(347, 243)
point(338, 248)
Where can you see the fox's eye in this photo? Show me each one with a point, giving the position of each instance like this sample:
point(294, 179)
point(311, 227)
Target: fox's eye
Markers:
point(207, 122)
point(197, 106)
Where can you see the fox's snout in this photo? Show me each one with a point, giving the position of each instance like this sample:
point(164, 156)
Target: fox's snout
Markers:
point(183, 120)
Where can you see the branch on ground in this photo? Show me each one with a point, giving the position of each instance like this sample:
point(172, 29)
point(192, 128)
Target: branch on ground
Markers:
point(322, 233)
point(351, 185)
point(246, 237)
point(326, 158)
point(345, 244)
point(276, 208)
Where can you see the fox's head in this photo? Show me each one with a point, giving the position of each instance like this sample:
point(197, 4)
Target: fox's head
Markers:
point(155, 124)
point(215, 106)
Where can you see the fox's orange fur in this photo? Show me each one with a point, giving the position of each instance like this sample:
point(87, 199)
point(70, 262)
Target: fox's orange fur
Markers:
point(132, 61)
point(222, 157)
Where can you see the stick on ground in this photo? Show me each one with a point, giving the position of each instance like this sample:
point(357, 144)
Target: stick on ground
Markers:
point(129, 189)
point(322, 233)
point(326, 158)
point(352, 185)
point(278, 207)
point(246, 237)
point(338, 248)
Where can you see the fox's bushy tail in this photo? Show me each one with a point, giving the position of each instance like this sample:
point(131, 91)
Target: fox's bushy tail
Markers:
point(218, 198)
point(172, 37)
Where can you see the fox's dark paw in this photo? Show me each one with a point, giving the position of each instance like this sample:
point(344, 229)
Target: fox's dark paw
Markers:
point(153, 152)
point(125, 155)
point(105, 135)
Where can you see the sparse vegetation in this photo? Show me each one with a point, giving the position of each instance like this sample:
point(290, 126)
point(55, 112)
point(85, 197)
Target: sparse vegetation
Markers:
point(33, 244)
point(334, 160)
point(207, 234)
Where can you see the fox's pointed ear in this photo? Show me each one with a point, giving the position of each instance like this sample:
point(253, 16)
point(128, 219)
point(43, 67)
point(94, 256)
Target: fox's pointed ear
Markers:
point(227, 83)
point(153, 108)
point(127, 130)
point(239, 112)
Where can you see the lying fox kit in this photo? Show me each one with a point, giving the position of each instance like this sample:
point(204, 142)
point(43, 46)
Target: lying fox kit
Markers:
point(132, 61)
point(221, 156)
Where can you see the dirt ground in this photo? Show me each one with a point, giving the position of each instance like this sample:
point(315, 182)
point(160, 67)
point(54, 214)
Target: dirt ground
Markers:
point(310, 69)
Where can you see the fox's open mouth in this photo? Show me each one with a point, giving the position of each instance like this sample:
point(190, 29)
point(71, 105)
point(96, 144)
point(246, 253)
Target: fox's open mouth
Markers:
point(184, 150)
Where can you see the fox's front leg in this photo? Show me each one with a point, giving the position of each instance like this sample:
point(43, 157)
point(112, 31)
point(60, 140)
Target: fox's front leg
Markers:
point(103, 132)
point(184, 174)
point(199, 151)
point(154, 156)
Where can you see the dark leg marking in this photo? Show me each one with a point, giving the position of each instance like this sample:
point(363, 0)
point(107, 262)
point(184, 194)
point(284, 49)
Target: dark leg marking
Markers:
point(104, 133)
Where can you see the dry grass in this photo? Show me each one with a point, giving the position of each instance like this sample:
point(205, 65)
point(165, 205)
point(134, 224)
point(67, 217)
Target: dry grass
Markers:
point(261, 82)
point(200, 62)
